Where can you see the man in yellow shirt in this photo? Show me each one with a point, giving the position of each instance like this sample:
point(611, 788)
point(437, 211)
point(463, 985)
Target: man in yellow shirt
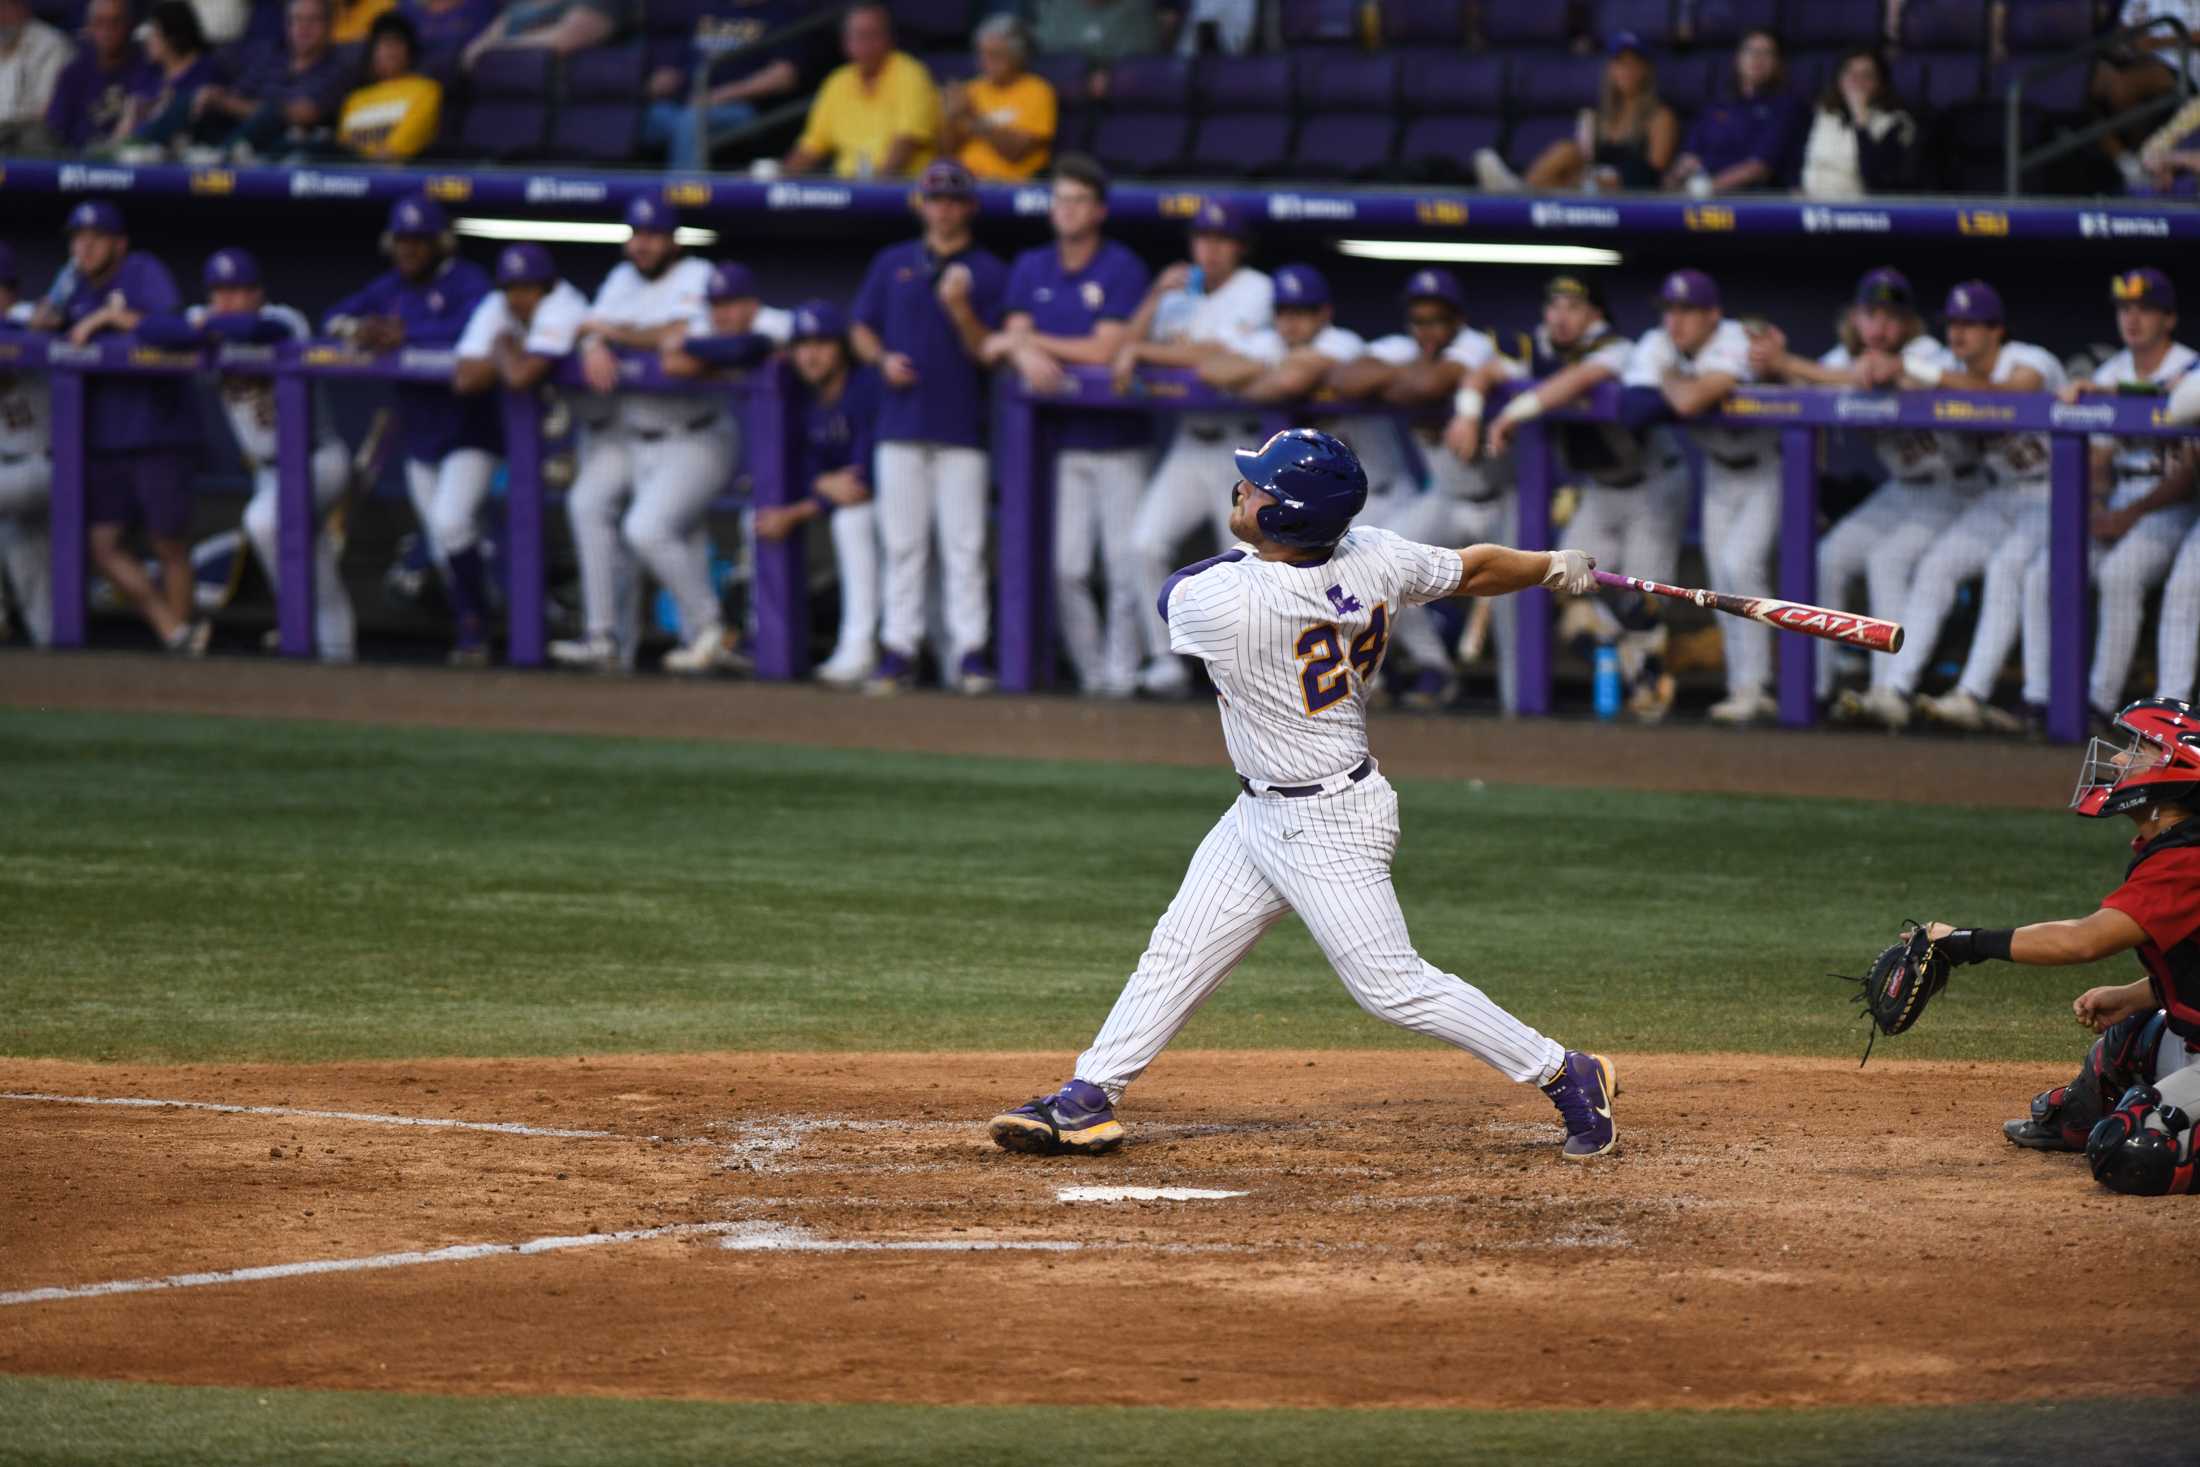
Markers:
point(1000, 125)
point(876, 117)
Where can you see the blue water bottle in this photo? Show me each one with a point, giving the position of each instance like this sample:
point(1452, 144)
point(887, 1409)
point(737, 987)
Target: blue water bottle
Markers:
point(1606, 685)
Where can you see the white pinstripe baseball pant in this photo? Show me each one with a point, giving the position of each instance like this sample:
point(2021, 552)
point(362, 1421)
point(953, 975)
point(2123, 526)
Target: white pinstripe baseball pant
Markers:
point(26, 557)
point(1741, 524)
point(1328, 859)
point(1095, 507)
point(1444, 514)
point(335, 631)
point(1963, 551)
point(2001, 600)
point(2178, 643)
point(1882, 540)
point(2122, 574)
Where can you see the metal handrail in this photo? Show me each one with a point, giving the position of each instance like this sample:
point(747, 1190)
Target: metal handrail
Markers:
point(2016, 163)
point(699, 86)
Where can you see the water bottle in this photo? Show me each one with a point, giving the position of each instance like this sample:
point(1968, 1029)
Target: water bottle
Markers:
point(1606, 683)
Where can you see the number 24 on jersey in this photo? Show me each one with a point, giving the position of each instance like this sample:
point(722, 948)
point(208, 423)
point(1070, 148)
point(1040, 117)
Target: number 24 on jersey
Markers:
point(1324, 665)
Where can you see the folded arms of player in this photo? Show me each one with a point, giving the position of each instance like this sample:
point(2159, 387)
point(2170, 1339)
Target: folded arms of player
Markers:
point(1500, 570)
point(694, 356)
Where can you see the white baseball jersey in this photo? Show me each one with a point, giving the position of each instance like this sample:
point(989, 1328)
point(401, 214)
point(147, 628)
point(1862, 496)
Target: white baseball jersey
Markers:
point(2016, 460)
point(1470, 349)
point(1293, 649)
point(551, 333)
point(630, 298)
point(774, 323)
point(1917, 456)
point(1373, 436)
point(25, 415)
point(1233, 315)
point(2139, 462)
point(248, 401)
point(1726, 351)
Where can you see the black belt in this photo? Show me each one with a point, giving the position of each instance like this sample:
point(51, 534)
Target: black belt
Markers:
point(694, 425)
point(1302, 791)
point(1736, 465)
point(1207, 435)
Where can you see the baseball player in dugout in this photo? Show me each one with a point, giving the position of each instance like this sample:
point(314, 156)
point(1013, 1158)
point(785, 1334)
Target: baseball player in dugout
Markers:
point(1292, 624)
point(26, 476)
point(1070, 303)
point(2132, 1105)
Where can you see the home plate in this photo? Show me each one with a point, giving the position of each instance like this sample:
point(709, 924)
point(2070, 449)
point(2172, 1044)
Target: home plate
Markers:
point(1141, 1194)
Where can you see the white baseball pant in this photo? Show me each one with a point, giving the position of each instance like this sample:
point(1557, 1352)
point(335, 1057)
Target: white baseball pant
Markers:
point(1741, 523)
point(676, 477)
point(1095, 506)
point(2122, 574)
point(26, 557)
point(2001, 598)
point(448, 496)
point(1636, 531)
point(854, 530)
point(335, 636)
point(1328, 859)
point(1882, 540)
point(1441, 515)
point(611, 583)
point(926, 491)
point(2178, 642)
point(1963, 551)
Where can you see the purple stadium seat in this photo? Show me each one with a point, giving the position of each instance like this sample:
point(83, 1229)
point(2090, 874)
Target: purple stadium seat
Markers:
point(1444, 147)
point(1424, 23)
point(1955, 80)
point(1809, 72)
point(1141, 143)
point(601, 119)
point(950, 66)
point(1686, 83)
point(2048, 25)
point(1436, 82)
point(1243, 84)
point(1240, 145)
point(1825, 24)
point(1944, 25)
point(923, 23)
point(1510, 23)
point(1343, 145)
point(1349, 83)
point(1066, 74)
point(1555, 83)
point(1531, 135)
point(1150, 84)
point(1321, 22)
point(1722, 22)
point(1651, 20)
point(2060, 93)
point(507, 118)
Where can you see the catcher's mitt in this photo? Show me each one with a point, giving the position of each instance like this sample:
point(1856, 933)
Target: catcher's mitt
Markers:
point(1901, 981)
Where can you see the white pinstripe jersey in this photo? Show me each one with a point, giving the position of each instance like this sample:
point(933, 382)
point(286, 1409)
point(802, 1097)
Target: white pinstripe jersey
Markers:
point(249, 401)
point(1726, 351)
point(2016, 460)
point(1292, 649)
point(2139, 461)
point(1373, 437)
point(630, 298)
point(1911, 454)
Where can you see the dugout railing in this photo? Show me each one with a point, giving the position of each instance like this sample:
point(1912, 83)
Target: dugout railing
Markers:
point(1022, 451)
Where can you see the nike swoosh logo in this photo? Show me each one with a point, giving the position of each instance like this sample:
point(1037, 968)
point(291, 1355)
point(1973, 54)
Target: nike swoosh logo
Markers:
point(1602, 1110)
point(1293, 834)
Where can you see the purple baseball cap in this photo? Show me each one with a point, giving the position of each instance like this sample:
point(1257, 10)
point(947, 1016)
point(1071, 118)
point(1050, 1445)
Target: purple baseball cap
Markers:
point(1300, 288)
point(94, 214)
point(647, 215)
point(525, 264)
point(1885, 286)
point(415, 216)
point(230, 267)
point(818, 320)
point(730, 280)
point(2145, 286)
point(1220, 216)
point(1619, 43)
point(1437, 285)
point(10, 273)
point(1974, 301)
point(1690, 288)
point(944, 178)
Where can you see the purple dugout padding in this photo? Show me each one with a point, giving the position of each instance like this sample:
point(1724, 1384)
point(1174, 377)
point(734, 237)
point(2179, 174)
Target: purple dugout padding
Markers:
point(2067, 541)
point(781, 585)
point(1024, 619)
point(65, 521)
point(295, 518)
point(1798, 571)
point(526, 553)
point(1536, 480)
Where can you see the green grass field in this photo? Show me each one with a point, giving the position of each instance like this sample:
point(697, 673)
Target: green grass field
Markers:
point(181, 889)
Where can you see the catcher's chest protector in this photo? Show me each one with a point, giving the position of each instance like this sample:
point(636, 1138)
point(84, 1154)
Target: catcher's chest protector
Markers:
point(2175, 971)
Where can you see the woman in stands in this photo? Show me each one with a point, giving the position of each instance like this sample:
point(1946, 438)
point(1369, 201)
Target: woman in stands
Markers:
point(1861, 141)
point(395, 112)
point(1747, 140)
point(1627, 142)
point(159, 119)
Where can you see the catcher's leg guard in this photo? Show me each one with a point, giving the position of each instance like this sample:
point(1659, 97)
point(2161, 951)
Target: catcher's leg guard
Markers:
point(2142, 1148)
point(2063, 1118)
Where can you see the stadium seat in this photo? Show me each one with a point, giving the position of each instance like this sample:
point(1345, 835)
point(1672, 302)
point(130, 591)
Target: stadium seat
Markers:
point(1531, 135)
point(1433, 82)
point(2058, 94)
point(2048, 25)
point(1543, 85)
point(1321, 22)
point(1809, 73)
point(1954, 80)
point(1829, 24)
point(924, 24)
point(1652, 21)
point(1066, 74)
point(1687, 83)
point(1722, 22)
point(1240, 145)
point(1345, 145)
point(1944, 25)
point(1243, 84)
point(601, 118)
point(1443, 148)
point(1515, 24)
point(1150, 84)
point(1424, 23)
point(950, 66)
point(1349, 83)
point(507, 118)
point(1146, 128)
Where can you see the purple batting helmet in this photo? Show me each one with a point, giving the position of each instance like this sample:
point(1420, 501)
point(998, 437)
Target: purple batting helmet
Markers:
point(2145, 286)
point(1300, 288)
point(230, 267)
point(648, 215)
point(96, 215)
point(1974, 301)
point(417, 216)
point(1432, 284)
point(818, 320)
point(525, 264)
point(1689, 288)
point(730, 280)
point(1220, 216)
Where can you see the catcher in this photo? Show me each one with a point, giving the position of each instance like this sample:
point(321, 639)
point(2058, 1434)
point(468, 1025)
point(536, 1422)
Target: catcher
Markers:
point(2132, 1106)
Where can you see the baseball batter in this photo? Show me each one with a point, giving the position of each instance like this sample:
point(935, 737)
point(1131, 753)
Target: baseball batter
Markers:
point(1292, 624)
point(26, 476)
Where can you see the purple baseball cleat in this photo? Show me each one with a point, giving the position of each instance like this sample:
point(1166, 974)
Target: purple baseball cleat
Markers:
point(1583, 1094)
point(1075, 1120)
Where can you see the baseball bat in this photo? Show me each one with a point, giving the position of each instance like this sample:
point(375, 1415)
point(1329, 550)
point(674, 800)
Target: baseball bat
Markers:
point(1845, 627)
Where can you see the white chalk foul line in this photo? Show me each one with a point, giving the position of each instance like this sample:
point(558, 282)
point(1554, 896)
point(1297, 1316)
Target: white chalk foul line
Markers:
point(502, 1128)
point(1142, 1194)
point(458, 1253)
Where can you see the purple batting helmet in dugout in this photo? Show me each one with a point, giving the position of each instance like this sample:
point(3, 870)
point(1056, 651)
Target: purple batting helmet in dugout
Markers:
point(97, 215)
point(230, 267)
point(646, 215)
point(730, 280)
point(1974, 301)
point(1691, 289)
point(525, 264)
point(1437, 285)
point(818, 320)
point(1220, 216)
point(417, 216)
point(1300, 288)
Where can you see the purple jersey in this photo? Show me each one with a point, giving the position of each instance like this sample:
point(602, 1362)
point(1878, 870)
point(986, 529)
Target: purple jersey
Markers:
point(1060, 303)
point(840, 434)
point(898, 301)
point(88, 99)
point(445, 32)
point(1736, 129)
point(131, 414)
point(270, 77)
point(435, 312)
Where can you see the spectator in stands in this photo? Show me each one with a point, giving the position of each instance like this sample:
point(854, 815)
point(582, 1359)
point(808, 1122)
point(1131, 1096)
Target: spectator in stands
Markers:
point(1627, 141)
point(32, 55)
point(286, 97)
point(352, 21)
point(93, 90)
point(160, 112)
point(2174, 148)
point(139, 430)
point(877, 116)
point(758, 74)
point(2137, 74)
point(1861, 141)
point(446, 28)
point(1746, 140)
point(1000, 123)
point(563, 26)
point(1102, 31)
point(395, 114)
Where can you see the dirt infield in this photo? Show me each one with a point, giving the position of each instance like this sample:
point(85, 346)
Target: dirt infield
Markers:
point(1786, 1232)
point(1866, 766)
